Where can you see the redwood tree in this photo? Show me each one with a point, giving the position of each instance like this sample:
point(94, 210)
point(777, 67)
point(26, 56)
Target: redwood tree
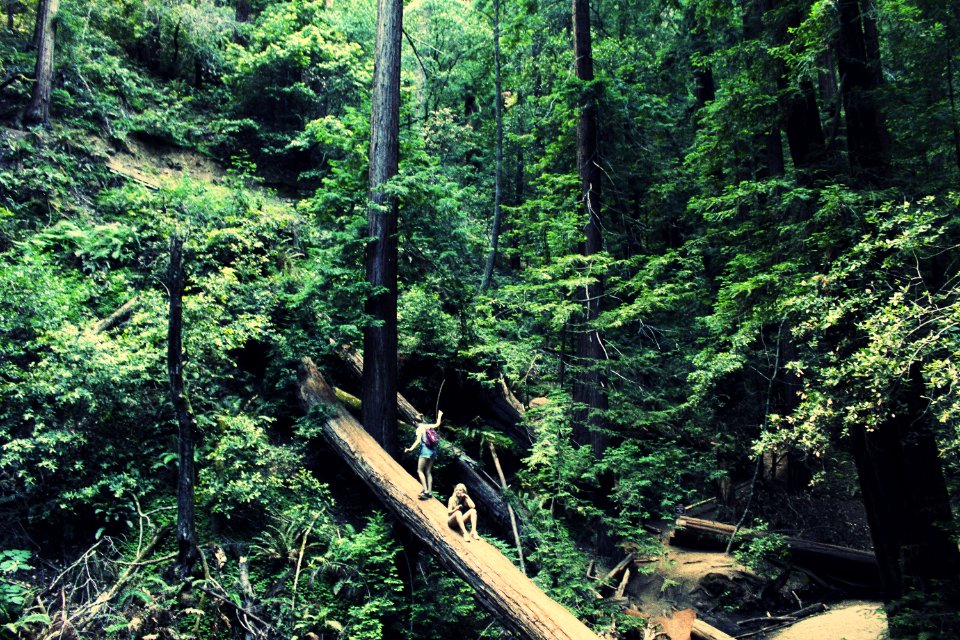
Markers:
point(858, 59)
point(380, 334)
point(38, 111)
point(589, 396)
point(498, 178)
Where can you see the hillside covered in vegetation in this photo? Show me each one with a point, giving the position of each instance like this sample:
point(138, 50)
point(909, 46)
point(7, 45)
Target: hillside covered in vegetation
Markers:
point(642, 255)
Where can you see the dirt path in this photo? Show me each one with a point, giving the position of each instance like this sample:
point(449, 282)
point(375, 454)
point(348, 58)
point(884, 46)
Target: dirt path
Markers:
point(685, 578)
point(850, 620)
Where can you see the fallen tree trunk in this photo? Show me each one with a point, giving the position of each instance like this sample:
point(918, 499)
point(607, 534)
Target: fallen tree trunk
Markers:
point(508, 412)
point(467, 470)
point(791, 617)
point(500, 587)
point(504, 407)
point(843, 563)
point(703, 631)
point(118, 317)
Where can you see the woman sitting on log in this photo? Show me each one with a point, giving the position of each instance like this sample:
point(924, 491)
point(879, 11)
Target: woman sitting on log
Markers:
point(462, 511)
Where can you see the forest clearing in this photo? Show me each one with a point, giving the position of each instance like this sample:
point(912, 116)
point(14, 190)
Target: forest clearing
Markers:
point(343, 319)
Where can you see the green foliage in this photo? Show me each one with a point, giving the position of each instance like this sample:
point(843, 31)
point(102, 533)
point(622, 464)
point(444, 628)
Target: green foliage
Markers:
point(888, 285)
point(728, 288)
point(425, 329)
point(765, 552)
point(561, 566)
point(13, 593)
point(242, 470)
point(555, 467)
point(293, 67)
point(444, 606)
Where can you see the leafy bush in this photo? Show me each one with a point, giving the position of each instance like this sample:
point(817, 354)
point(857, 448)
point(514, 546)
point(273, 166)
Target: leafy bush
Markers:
point(765, 552)
point(13, 593)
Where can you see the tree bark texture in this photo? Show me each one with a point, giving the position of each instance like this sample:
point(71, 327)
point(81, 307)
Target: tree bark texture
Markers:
point(38, 111)
point(186, 536)
point(952, 98)
point(589, 396)
point(908, 509)
point(500, 587)
point(491, 502)
point(380, 334)
point(858, 59)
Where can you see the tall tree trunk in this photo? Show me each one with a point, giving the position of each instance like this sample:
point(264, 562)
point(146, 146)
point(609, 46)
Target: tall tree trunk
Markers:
point(858, 59)
point(797, 99)
point(704, 86)
point(242, 10)
point(589, 396)
point(498, 188)
point(802, 124)
point(380, 334)
point(767, 156)
point(10, 10)
point(186, 536)
point(908, 510)
point(175, 57)
point(38, 111)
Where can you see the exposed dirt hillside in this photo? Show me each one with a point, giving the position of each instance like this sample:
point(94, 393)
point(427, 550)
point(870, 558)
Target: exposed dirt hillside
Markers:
point(151, 163)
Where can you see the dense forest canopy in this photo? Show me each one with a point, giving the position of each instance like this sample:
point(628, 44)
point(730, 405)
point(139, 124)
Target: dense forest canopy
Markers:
point(710, 247)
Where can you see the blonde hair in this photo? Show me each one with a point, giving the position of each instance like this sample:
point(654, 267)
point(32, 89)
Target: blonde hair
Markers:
point(458, 487)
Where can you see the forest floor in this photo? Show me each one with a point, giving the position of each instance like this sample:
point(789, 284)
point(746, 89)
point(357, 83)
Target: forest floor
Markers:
point(716, 586)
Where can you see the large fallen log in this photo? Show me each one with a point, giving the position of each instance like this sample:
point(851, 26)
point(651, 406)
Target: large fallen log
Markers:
point(851, 566)
point(507, 412)
point(467, 470)
point(500, 587)
point(703, 631)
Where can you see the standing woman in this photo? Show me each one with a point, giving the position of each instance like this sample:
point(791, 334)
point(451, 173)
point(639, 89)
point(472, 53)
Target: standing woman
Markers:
point(427, 456)
point(462, 511)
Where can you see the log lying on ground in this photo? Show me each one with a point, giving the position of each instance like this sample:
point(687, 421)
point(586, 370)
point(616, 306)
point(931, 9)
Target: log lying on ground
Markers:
point(488, 498)
point(118, 317)
point(852, 566)
point(703, 631)
point(500, 587)
point(508, 412)
point(780, 622)
point(791, 617)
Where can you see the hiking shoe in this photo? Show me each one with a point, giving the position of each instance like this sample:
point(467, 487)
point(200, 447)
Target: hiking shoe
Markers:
point(424, 495)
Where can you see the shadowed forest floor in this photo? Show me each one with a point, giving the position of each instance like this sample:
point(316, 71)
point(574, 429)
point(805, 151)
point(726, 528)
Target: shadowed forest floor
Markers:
point(685, 578)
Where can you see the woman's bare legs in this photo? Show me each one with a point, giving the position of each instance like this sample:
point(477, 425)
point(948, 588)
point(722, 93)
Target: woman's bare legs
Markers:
point(424, 470)
point(457, 518)
point(471, 517)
